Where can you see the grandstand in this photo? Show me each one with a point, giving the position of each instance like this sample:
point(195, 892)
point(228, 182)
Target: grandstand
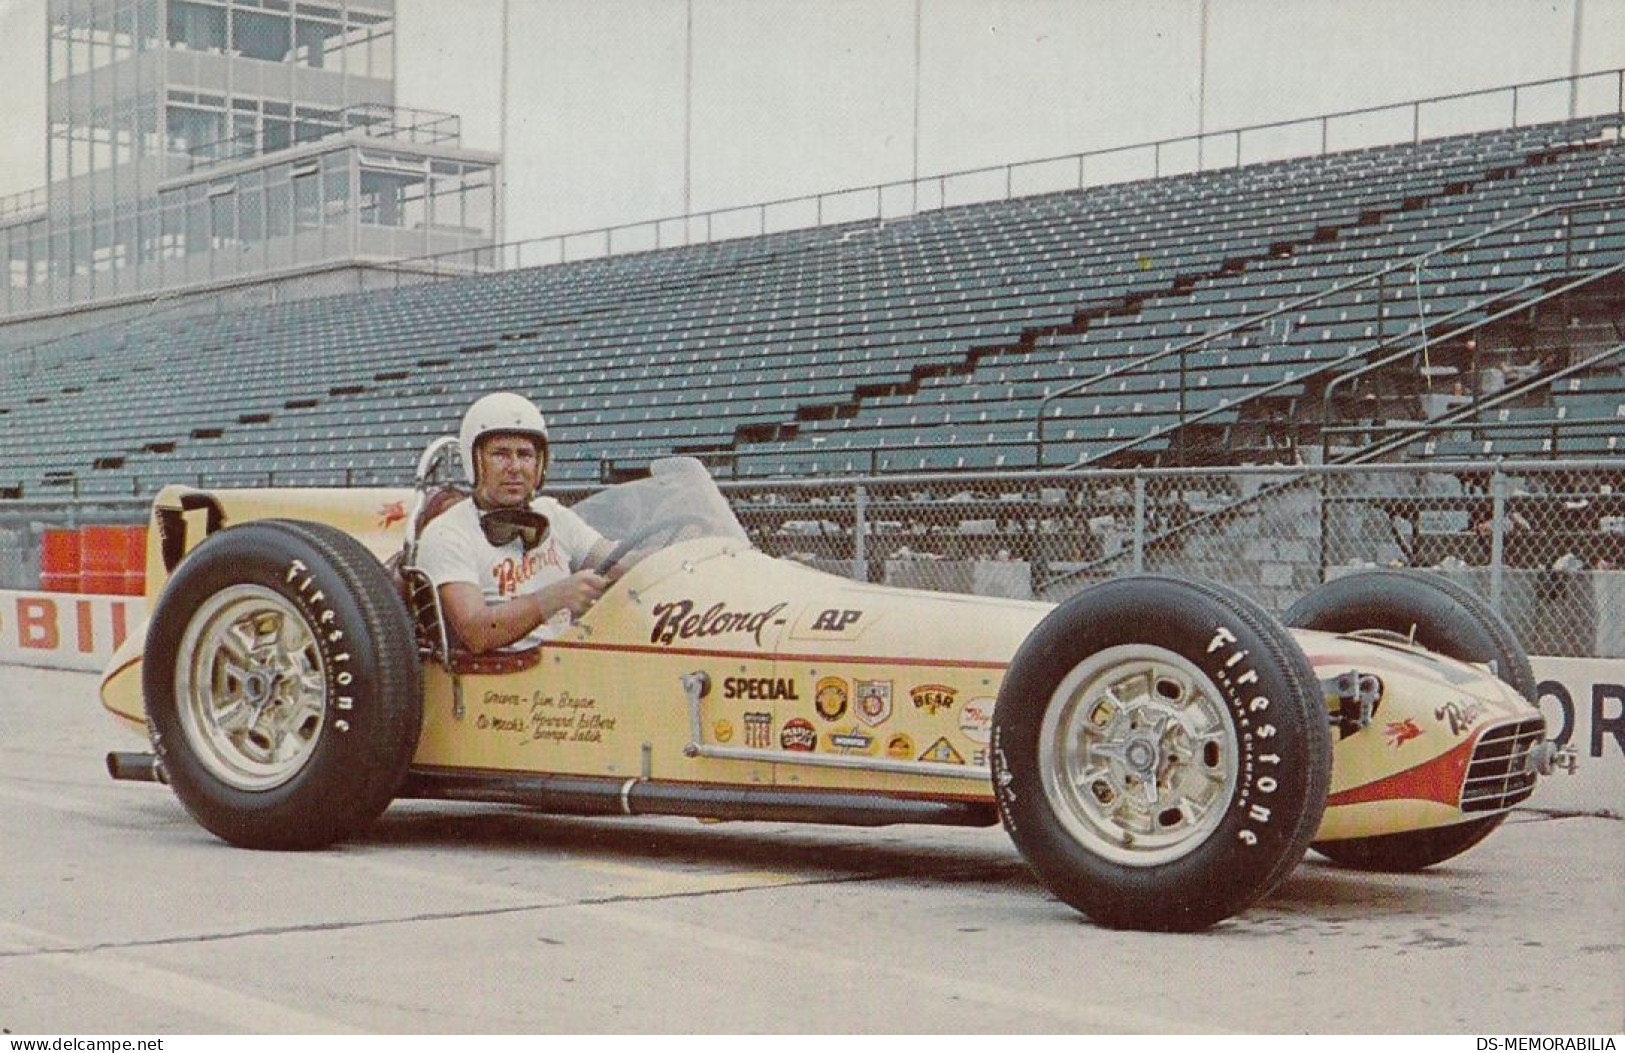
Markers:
point(1200, 318)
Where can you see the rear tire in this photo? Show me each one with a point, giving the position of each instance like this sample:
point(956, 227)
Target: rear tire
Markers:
point(1160, 753)
point(282, 685)
point(1448, 619)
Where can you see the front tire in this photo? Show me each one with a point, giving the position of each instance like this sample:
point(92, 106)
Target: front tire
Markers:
point(282, 686)
point(1160, 753)
point(1445, 618)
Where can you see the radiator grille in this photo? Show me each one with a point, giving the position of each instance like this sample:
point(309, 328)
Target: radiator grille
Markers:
point(1499, 774)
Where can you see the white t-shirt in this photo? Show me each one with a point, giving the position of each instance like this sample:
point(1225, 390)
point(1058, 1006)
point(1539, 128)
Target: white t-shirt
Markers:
point(454, 549)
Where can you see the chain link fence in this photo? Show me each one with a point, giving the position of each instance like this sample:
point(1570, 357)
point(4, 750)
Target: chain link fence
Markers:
point(1543, 542)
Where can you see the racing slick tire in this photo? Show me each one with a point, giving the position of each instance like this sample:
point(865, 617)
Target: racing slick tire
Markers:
point(283, 692)
point(1445, 618)
point(1160, 753)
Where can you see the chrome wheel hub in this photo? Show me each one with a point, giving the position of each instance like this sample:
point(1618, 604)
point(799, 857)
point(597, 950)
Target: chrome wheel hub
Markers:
point(1138, 754)
point(251, 687)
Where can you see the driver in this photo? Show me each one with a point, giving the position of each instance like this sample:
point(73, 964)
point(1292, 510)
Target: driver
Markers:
point(513, 569)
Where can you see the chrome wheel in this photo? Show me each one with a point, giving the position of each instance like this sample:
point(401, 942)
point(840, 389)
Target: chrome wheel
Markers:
point(251, 687)
point(1137, 754)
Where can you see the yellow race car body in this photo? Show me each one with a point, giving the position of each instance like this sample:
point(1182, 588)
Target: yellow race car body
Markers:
point(714, 680)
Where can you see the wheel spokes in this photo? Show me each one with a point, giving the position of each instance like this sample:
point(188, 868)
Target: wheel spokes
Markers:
point(255, 691)
point(1143, 753)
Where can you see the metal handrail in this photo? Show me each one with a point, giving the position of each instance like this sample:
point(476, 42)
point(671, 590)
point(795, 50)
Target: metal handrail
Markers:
point(385, 123)
point(1256, 320)
point(1460, 416)
point(1332, 364)
point(1298, 474)
point(1422, 348)
point(429, 264)
point(607, 466)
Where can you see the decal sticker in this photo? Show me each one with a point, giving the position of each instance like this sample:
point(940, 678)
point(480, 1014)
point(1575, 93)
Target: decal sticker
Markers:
point(725, 731)
point(798, 735)
point(1400, 732)
point(900, 747)
point(1460, 717)
point(942, 751)
point(979, 758)
point(932, 697)
point(677, 621)
point(976, 720)
point(873, 701)
point(391, 513)
point(759, 730)
point(761, 688)
point(852, 740)
point(830, 698)
point(835, 620)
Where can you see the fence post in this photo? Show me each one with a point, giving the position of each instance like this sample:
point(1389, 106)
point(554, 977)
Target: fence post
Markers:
point(1498, 503)
point(1325, 478)
point(860, 530)
point(1139, 523)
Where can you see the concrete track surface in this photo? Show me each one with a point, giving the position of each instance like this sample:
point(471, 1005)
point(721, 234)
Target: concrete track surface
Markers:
point(119, 914)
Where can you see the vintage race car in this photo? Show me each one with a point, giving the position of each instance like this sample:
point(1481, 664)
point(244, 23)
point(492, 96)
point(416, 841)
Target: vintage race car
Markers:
point(1162, 751)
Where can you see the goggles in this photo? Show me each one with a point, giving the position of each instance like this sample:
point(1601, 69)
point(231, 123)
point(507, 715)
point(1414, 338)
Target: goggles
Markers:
point(502, 525)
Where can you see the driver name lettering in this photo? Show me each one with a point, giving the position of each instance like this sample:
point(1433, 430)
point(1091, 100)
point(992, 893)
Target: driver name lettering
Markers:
point(678, 620)
point(551, 718)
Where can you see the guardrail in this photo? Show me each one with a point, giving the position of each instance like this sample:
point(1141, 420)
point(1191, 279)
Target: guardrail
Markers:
point(874, 202)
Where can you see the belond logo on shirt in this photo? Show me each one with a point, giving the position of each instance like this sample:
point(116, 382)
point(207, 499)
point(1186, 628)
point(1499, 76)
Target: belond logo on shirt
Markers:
point(511, 573)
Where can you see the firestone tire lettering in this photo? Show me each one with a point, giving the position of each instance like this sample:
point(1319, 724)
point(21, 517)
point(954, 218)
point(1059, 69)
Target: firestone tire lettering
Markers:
point(373, 709)
point(1267, 692)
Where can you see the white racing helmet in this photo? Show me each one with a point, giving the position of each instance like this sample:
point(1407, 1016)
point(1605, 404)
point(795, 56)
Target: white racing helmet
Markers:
point(501, 412)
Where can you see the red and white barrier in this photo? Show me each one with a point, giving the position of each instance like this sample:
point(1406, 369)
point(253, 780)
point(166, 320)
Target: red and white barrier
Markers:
point(58, 630)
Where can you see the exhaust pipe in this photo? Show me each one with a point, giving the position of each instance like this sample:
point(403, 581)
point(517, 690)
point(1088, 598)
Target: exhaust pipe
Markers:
point(136, 767)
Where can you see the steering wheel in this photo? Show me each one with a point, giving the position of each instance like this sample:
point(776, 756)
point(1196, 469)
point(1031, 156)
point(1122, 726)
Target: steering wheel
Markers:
point(668, 529)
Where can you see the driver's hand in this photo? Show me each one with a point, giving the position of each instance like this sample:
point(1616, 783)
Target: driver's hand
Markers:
point(577, 592)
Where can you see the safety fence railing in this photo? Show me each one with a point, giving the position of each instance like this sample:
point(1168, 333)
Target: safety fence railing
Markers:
point(1542, 541)
point(1512, 106)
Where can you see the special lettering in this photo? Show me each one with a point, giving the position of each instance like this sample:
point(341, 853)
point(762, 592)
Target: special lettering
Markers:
point(761, 688)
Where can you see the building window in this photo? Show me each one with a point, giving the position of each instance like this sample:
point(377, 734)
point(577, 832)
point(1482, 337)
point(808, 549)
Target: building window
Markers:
point(257, 35)
point(317, 42)
point(197, 27)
